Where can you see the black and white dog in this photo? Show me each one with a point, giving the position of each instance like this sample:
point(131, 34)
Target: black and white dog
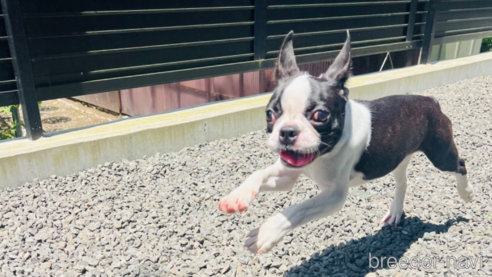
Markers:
point(340, 143)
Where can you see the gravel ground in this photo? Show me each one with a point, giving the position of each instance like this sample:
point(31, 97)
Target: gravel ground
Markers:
point(158, 216)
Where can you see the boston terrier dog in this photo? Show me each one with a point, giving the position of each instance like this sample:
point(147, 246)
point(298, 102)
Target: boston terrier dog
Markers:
point(340, 143)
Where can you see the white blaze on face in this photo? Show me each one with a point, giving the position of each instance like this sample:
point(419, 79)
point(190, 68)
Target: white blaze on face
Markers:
point(294, 103)
point(295, 96)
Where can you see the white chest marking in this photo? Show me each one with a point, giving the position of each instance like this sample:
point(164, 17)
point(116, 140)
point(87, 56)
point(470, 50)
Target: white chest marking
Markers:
point(337, 166)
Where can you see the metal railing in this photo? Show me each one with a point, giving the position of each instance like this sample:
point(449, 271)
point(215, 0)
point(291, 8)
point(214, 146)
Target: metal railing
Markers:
point(53, 49)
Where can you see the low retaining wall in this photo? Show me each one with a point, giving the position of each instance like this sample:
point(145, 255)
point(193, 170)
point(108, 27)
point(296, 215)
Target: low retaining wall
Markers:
point(69, 152)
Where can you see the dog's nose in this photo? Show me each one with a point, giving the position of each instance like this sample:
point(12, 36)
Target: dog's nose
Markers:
point(288, 134)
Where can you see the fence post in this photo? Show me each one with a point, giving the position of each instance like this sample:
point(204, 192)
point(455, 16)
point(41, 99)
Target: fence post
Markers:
point(260, 29)
point(22, 68)
point(429, 31)
point(411, 19)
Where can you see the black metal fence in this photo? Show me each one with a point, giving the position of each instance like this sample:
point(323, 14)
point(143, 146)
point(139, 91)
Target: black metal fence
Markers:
point(57, 48)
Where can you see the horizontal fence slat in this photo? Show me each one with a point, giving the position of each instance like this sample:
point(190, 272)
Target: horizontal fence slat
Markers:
point(318, 12)
point(6, 71)
point(334, 47)
point(308, 2)
point(442, 27)
point(3, 32)
point(344, 31)
point(62, 6)
point(361, 51)
point(4, 49)
point(8, 85)
point(302, 40)
point(334, 4)
point(463, 4)
point(145, 48)
point(301, 27)
point(53, 80)
point(464, 14)
point(87, 63)
point(332, 18)
point(74, 44)
point(472, 31)
point(463, 36)
point(133, 12)
point(156, 29)
point(8, 98)
point(54, 26)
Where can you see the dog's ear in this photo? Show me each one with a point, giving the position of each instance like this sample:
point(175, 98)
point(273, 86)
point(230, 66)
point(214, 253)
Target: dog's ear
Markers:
point(339, 71)
point(286, 62)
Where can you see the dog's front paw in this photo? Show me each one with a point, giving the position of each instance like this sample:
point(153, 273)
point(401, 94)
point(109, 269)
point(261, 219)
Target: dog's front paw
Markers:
point(263, 239)
point(393, 216)
point(237, 201)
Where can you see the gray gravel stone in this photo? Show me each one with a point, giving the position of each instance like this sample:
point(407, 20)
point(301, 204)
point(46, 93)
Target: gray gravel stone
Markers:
point(157, 216)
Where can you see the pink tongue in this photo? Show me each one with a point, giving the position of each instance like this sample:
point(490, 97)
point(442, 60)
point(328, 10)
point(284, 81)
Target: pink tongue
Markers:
point(296, 159)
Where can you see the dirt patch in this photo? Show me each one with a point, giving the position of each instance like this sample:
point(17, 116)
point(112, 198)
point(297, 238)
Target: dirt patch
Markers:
point(64, 114)
point(56, 120)
point(45, 108)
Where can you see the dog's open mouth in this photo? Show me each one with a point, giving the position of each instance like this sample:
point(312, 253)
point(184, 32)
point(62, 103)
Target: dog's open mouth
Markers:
point(297, 159)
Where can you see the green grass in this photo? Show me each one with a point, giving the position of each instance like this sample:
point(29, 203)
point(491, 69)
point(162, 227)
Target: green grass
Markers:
point(486, 45)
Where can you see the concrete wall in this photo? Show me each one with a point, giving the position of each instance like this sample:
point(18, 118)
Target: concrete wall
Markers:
point(69, 152)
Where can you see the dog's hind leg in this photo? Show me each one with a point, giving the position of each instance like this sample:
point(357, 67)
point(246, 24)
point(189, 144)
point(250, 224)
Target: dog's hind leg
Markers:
point(442, 152)
point(395, 211)
point(465, 190)
point(456, 167)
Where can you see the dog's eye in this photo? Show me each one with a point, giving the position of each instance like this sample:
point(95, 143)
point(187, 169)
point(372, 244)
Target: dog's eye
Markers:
point(320, 116)
point(270, 116)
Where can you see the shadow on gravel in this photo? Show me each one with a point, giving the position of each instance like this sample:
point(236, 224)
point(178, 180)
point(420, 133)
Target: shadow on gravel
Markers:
point(352, 259)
